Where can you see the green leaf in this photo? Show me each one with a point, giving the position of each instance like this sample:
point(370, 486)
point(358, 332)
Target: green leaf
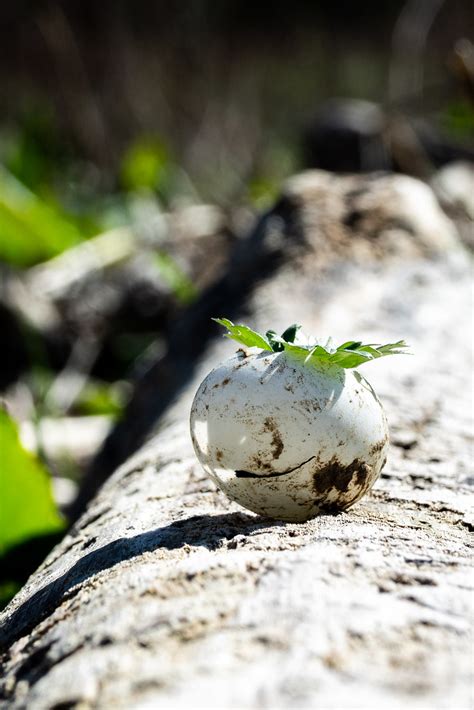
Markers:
point(277, 343)
point(31, 230)
point(27, 508)
point(350, 354)
point(349, 358)
point(243, 335)
point(350, 345)
point(290, 333)
point(146, 164)
point(390, 348)
point(304, 351)
point(274, 341)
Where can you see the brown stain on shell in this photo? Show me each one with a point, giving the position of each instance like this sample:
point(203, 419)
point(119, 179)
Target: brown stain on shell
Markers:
point(260, 464)
point(375, 448)
point(276, 442)
point(336, 475)
point(221, 384)
point(310, 405)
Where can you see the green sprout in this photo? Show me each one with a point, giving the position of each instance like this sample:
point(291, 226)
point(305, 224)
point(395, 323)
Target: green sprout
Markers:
point(348, 355)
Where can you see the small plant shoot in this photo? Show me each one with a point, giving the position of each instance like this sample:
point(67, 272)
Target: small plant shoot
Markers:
point(348, 355)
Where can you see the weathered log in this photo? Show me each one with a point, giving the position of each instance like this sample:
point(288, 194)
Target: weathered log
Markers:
point(164, 594)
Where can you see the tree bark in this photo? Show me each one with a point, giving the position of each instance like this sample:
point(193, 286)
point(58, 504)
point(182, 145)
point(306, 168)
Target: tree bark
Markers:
point(165, 594)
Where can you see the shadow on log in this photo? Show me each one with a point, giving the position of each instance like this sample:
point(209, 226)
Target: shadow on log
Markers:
point(205, 530)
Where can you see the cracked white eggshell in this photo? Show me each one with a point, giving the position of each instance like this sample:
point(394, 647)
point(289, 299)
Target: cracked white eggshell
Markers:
point(288, 440)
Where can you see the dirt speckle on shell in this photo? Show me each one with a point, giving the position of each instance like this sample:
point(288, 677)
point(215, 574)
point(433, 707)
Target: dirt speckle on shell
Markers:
point(276, 442)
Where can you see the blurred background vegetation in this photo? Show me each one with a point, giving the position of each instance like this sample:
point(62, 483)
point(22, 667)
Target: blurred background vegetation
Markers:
point(139, 139)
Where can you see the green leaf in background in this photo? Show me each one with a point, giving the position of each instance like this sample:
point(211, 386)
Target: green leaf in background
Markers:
point(7, 591)
point(33, 149)
point(145, 165)
point(458, 119)
point(263, 191)
point(27, 508)
point(98, 397)
point(179, 282)
point(30, 229)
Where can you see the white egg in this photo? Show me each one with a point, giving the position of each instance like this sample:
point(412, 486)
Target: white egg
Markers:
point(288, 439)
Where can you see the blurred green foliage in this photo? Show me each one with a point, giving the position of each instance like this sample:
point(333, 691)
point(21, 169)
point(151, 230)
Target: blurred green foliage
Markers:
point(7, 591)
point(262, 192)
point(146, 165)
point(43, 210)
point(30, 229)
point(27, 508)
point(30, 523)
point(34, 151)
point(458, 119)
point(178, 282)
point(128, 347)
point(98, 397)
point(277, 161)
